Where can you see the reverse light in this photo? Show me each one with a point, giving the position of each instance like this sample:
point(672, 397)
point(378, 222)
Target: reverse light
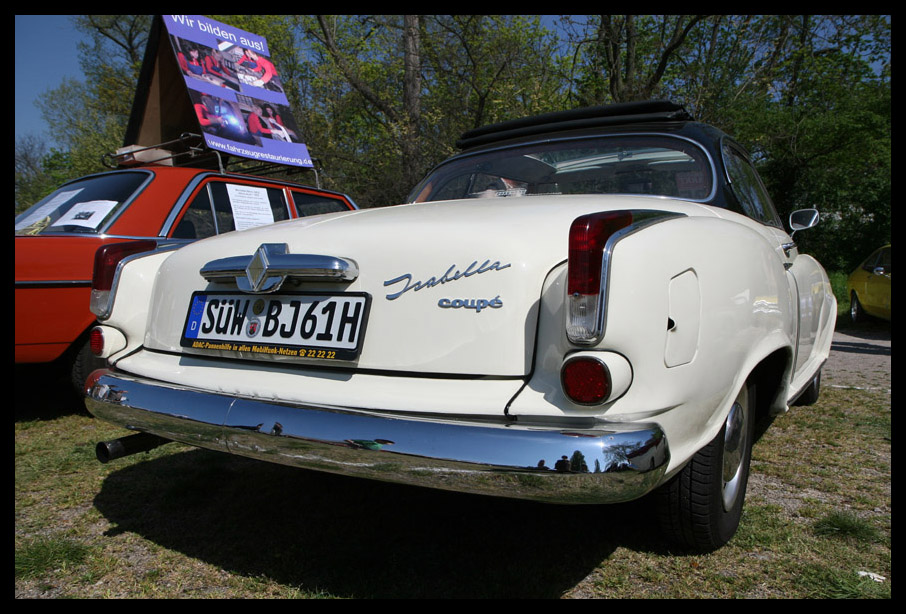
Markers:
point(106, 262)
point(586, 281)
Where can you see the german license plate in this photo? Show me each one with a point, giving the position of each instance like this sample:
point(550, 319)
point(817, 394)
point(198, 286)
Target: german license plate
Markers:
point(300, 324)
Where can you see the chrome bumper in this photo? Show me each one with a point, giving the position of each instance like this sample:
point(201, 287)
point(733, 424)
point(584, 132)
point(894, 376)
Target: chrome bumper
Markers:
point(603, 465)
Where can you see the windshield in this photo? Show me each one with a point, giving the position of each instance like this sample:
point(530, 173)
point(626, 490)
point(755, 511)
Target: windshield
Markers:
point(620, 164)
point(82, 206)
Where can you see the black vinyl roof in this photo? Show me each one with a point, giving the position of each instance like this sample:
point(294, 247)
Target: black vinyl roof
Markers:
point(588, 117)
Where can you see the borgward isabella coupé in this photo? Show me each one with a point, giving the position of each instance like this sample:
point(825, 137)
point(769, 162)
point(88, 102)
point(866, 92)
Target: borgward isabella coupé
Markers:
point(588, 306)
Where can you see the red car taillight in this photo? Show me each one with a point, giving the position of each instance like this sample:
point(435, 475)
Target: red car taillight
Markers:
point(96, 341)
point(591, 239)
point(106, 260)
point(586, 380)
point(588, 238)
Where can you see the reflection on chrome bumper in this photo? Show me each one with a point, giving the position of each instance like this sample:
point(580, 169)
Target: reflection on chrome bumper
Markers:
point(544, 463)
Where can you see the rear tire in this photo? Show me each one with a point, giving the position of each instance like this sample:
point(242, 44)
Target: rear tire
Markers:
point(700, 508)
point(810, 395)
point(83, 363)
point(856, 312)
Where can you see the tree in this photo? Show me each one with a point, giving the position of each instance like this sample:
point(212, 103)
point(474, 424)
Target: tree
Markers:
point(88, 118)
point(821, 131)
point(380, 99)
point(809, 95)
point(389, 95)
point(625, 57)
point(31, 180)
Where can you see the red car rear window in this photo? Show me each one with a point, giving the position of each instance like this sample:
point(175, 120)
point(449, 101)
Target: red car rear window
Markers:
point(84, 206)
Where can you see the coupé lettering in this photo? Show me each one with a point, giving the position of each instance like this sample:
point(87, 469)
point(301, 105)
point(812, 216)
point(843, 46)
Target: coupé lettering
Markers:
point(448, 276)
point(465, 303)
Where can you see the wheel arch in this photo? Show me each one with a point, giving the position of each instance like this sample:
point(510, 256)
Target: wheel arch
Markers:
point(771, 377)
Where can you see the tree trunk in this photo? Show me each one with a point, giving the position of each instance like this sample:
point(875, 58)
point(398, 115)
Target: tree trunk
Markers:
point(411, 100)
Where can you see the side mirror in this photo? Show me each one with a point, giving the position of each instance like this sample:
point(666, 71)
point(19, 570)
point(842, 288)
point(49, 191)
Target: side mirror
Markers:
point(802, 219)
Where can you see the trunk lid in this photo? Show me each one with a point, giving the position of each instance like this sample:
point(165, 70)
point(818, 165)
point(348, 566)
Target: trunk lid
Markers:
point(454, 287)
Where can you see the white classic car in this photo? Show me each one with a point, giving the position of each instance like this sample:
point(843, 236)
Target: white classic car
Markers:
point(581, 307)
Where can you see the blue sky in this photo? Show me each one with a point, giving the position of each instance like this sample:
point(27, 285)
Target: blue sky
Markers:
point(45, 54)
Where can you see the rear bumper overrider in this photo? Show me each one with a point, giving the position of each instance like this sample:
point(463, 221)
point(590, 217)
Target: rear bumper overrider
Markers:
point(606, 464)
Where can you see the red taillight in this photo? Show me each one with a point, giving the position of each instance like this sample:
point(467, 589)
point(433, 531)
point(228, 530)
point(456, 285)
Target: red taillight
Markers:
point(585, 380)
point(587, 237)
point(96, 341)
point(106, 260)
point(110, 255)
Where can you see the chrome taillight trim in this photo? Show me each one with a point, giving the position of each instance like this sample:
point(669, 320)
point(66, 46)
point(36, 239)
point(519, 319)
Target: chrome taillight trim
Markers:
point(640, 219)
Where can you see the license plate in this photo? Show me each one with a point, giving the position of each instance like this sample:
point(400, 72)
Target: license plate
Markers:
point(302, 325)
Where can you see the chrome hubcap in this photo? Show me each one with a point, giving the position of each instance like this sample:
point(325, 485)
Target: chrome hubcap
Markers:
point(735, 436)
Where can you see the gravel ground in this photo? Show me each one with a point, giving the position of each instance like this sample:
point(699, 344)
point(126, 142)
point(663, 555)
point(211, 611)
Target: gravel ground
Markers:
point(859, 358)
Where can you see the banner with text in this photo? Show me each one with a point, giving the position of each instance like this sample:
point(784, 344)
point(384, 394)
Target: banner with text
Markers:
point(236, 91)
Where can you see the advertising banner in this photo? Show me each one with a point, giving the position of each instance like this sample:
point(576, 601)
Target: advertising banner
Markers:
point(235, 90)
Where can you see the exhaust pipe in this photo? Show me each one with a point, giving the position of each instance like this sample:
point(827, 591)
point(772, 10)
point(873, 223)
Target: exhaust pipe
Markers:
point(107, 451)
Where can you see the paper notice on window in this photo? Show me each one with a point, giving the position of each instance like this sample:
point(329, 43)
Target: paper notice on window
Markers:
point(251, 206)
point(47, 208)
point(89, 214)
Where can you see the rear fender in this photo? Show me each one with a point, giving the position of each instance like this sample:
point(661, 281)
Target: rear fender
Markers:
point(715, 287)
point(132, 299)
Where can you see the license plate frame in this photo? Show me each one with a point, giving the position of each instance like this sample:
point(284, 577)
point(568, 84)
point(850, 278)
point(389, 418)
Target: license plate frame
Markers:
point(310, 329)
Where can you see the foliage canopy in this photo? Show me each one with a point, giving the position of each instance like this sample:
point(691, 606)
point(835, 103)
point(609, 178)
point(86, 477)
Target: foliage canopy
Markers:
point(383, 98)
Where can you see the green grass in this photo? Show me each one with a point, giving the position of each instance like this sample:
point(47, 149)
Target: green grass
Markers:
point(40, 556)
point(823, 582)
point(838, 281)
point(846, 525)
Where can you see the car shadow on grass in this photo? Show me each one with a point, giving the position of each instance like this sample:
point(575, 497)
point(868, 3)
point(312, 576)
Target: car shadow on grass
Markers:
point(349, 537)
point(44, 392)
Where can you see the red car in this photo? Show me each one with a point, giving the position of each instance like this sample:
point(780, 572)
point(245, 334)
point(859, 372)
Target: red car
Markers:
point(140, 209)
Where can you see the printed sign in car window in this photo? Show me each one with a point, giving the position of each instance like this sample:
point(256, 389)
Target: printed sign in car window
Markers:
point(47, 208)
point(251, 206)
point(89, 214)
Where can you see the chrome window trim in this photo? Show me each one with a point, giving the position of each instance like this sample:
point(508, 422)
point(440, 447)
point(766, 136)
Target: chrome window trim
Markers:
point(122, 208)
point(741, 151)
point(160, 240)
point(181, 201)
point(678, 137)
point(213, 208)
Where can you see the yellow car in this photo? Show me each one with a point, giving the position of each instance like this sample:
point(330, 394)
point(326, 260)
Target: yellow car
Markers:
point(869, 287)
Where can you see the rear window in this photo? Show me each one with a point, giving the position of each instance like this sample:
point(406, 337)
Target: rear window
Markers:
point(625, 164)
point(315, 204)
point(85, 206)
